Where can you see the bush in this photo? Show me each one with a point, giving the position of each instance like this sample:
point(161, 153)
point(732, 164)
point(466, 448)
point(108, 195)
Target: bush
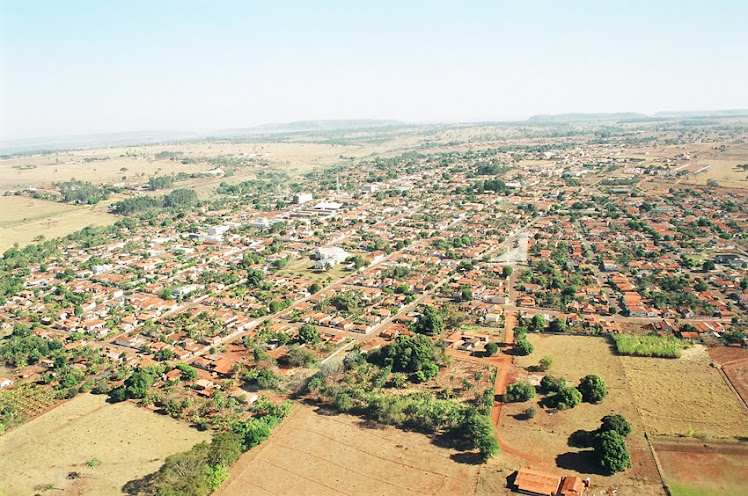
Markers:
point(593, 388)
point(531, 412)
point(611, 452)
point(524, 347)
point(545, 363)
point(551, 384)
point(520, 391)
point(617, 423)
point(491, 348)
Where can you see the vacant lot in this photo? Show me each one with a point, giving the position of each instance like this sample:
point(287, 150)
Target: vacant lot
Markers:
point(692, 469)
point(315, 453)
point(685, 394)
point(543, 440)
point(129, 441)
point(22, 219)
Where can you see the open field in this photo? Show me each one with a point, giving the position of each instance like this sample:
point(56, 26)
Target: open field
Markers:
point(674, 396)
point(542, 441)
point(722, 167)
point(23, 218)
point(129, 441)
point(315, 453)
point(692, 469)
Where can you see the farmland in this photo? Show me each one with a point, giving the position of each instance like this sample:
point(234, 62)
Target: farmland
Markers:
point(23, 403)
point(313, 452)
point(684, 396)
point(128, 441)
point(722, 468)
point(543, 440)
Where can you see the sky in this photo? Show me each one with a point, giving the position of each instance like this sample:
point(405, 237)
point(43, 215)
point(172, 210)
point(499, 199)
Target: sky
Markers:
point(88, 67)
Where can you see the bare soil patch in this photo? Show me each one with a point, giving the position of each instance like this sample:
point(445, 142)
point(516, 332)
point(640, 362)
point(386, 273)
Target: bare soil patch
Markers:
point(314, 452)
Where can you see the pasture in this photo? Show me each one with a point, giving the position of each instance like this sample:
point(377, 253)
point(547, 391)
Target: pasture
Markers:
point(317, 453)
point(107, 445)
point(684, 396)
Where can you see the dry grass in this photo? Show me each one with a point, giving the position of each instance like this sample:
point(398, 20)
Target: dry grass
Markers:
point(313, 453)
point(674, 396)
point(22, 219)
point(129, 441)
point(543, 441)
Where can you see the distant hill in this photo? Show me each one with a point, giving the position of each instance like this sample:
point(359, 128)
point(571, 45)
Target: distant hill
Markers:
point(35, 145)
point(561, 118)
point(702, 113)
point(324, 125)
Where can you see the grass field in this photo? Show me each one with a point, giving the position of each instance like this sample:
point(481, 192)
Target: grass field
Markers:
point(128, 441)
point(22, 219)
point(542, 441)
point(312, 453)
point(675, 396)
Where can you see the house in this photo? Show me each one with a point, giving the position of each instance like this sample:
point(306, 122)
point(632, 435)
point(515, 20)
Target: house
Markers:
point(537, 483)
point(302, 198)
point(608, 266)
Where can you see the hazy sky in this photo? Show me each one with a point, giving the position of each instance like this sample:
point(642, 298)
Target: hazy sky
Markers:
point(70, 67)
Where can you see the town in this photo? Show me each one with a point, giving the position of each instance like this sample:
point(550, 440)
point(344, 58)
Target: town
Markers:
point(469, 283)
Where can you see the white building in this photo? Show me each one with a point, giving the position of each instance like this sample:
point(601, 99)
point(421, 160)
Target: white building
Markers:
point(331, 255)
point(302, 198)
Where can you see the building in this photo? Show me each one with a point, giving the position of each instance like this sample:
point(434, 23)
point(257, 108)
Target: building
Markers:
point(302, 198)
point(538, 483)
point(331, 255)
point(5, 382)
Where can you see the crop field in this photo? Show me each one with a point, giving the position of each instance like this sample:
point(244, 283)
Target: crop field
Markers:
point(693, 469)
point(128, 442)
point(542, 441)
point(319, 454)
point(685, 396)
point(27, 401)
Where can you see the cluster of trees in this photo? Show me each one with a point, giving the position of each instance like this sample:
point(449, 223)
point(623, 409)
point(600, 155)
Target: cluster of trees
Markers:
point(179, 198)
point(431, 321)
point(649, 345)
point(522, 345)
point(204, 468)
point(416, 355)
point(23, 348)
point(608, 443)
point(165, 182)
point(81, 192)
point(591, 389)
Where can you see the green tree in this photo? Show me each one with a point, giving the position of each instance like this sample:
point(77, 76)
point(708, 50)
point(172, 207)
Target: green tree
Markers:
point(308, 333)
point(430, 321)
point(617, 423)
point(593, 388)
point(558, 325)
point(545, 363)
point(507, 271)
point(520, 391)
point(524, 347)
point(611, 452)
point(567, 397)
point(491, 348)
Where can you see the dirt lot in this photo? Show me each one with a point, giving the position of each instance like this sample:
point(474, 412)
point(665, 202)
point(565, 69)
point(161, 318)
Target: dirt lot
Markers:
point(129, 441)
point(674, 396)
point(542, 441)
point(313, 453)
point(722, 469)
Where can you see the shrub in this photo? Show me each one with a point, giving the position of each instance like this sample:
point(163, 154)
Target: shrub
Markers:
point(551, 384)
point(545, 363)
point(491, 348)
point(531, 412)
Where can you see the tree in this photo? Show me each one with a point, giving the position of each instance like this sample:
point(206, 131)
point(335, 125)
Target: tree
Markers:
point(315, 288)
point(524, 347)
point(538, 322)
point(567, 397)
point(308, 333)
point(301, 357)
point(593, 388)
point(491, 348)
point(466, 294)
point(708, 265)
point(551, 384)
point(480, 431)
point(617, 423)
point(558, 325)
point(254, 277)
point(545, 363)
point(611, 452)
point(430, 321)
point(507, 271)
point(520, 391)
